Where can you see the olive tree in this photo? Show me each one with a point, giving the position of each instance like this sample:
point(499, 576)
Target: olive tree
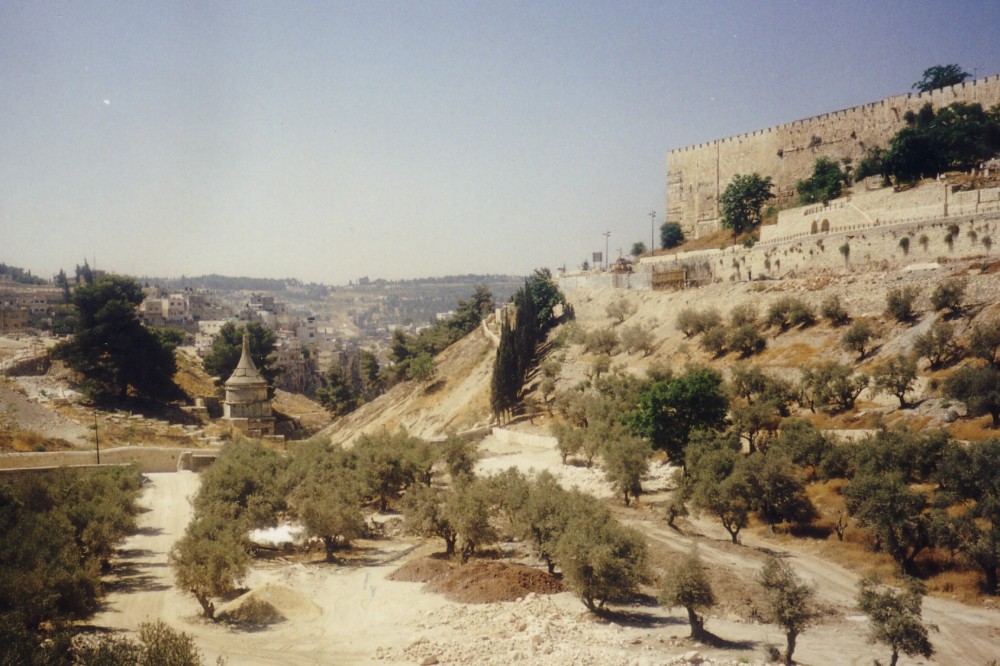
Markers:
point(686, 584)
point(210, 559)
point(788, 602)
point(895, 617)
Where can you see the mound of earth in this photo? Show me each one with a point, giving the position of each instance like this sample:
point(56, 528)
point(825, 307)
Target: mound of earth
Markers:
point(285, 603)
point(421, 570)
point(479, 582)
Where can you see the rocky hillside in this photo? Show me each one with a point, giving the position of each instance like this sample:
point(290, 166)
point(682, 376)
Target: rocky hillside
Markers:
point(459, 398)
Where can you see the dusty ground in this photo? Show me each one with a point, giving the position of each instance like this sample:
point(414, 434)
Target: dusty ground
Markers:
point(356, 614)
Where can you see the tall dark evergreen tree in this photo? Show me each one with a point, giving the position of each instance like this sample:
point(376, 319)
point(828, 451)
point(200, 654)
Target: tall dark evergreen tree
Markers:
point(113, 351)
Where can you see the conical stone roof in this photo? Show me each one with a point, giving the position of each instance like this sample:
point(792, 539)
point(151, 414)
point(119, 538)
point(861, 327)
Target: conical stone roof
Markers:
point(246, 373)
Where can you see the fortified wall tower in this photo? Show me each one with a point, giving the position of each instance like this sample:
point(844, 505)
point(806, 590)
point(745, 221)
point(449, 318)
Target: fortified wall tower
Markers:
point(697, 175)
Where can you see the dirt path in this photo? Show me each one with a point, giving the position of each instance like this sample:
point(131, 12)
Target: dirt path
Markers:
point(359, 617)
point(964, 635)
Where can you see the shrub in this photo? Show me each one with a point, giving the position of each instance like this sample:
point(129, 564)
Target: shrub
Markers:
point(637, 338)
point(978, 388)
point(744, 314)
point(904, 244)
point(692, 322)
point(832, 386)
point(715, 340)
point(899, 303)
point(948, 295)
point(601, 341)
point(937, 345)
point(924, 241)
point(834, 311)
point(620, 309)
point(746, 339)
point(859, 338)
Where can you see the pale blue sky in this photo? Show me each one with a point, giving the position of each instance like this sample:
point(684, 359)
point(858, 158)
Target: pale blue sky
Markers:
point(329, 140)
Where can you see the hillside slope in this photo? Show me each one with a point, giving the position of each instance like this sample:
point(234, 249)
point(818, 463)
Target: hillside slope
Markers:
point(459, 398)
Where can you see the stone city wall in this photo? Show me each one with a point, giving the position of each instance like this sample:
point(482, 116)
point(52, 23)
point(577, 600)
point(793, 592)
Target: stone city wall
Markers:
point(858, 232)
point(697, 175)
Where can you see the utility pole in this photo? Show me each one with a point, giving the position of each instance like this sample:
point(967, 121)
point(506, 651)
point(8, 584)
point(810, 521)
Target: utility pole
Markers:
point(607, 236)
point(652, 232)
point(97, 441)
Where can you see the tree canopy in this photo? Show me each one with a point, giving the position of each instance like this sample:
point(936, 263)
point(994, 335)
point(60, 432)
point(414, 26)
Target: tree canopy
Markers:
point(941, 76)
point(826, 182)
point(111, 348)
point(227, 348)
point(742, 201)
point(671, 235)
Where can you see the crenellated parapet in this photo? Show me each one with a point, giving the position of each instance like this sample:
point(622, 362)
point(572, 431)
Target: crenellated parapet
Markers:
point(697, 174)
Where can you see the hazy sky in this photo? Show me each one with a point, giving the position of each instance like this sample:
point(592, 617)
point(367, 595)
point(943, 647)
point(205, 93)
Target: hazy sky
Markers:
point(330, 140)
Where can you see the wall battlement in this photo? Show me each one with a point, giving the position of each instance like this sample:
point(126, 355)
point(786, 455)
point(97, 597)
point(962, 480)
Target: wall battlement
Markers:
point(697, 174)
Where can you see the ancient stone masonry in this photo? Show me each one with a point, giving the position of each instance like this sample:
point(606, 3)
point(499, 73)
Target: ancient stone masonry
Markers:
point(697, 175)
point(247, 406)
point(933, 223)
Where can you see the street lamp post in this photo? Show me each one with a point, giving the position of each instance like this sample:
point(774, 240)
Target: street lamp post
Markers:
point(652, 232)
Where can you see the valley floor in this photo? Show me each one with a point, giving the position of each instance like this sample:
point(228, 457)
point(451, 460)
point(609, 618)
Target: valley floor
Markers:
point(353, 614)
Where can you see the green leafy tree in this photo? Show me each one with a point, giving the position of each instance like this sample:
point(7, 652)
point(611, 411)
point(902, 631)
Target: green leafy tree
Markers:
point(245, 485)
point(626, 460)
point(896, 376)
point(338, 394)
point(948, 295)
point(832, 386)
point(686, 584)
point(544, 516)
point(384, 466)
point(742, 201)
point(459, 456)
point(227, 348)
point(601, 560)
point(789, 602)
point(111, 349)
point(778, 495)
point(859, 338)
point(899, 303)
point(424, 514)
point(940, 76)
point(422, 368)
point(826, 182)
point(833, 310)
point(895, 617)
point(978, 388)
point(671, 235)
point(210, 559)
point(669, 410)
point(894, 515)
point(468, 511)
point(638, 248)
point(328, 502)
point(718, 487)
point(158, 645)
point(984, 341)
point(937, 344)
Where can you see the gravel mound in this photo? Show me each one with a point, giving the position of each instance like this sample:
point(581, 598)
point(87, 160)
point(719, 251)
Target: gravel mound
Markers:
point(271, 601)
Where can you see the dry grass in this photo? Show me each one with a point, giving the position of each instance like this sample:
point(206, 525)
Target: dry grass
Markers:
point(973, 430)
point(20, 441)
